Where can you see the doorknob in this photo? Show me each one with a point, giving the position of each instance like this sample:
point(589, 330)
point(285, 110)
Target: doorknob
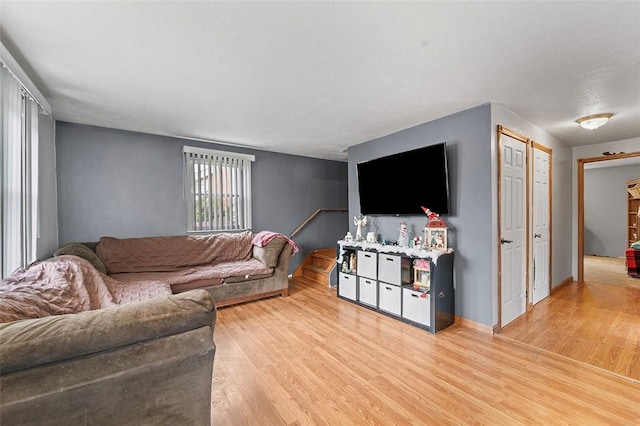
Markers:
point(537, 235)
point(503, 241)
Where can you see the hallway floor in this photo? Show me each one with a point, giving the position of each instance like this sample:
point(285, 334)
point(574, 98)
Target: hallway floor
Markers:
point(596, 322)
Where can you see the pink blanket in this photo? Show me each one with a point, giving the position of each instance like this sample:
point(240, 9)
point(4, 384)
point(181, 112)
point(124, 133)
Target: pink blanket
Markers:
point(263, 238)
point(68, 285)
point(61, 285)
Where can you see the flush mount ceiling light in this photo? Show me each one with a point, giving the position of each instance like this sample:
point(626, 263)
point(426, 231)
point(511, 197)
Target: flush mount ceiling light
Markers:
point(592, 122)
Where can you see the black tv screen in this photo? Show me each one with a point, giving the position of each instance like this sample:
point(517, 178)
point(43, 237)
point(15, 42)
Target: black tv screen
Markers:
point(400, 184)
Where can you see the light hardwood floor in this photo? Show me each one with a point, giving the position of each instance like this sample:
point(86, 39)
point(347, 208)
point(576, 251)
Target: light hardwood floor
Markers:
point(608, 270)
point(312, 358)
point(590, 322)
point(597, 322)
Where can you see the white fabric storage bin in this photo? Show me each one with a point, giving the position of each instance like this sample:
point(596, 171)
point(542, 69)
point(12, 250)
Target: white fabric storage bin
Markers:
point(368, 291)
point(389, 298)
point(367, 265)
point(347, 286)
point(389, 269)
point(415, 307)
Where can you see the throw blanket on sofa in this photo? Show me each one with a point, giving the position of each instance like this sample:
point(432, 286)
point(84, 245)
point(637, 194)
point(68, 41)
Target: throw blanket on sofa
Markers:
point(68, 284)
point(173, 253)
point(263, 238)
point(61, 285)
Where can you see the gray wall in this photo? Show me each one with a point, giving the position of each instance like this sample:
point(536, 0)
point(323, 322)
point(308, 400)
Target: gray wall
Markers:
point(605, 209)
point(468, 138)
point(126, 184)
point(47, 200)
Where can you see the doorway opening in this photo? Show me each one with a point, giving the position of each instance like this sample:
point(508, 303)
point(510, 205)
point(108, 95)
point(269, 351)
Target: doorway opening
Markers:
point(598, 268)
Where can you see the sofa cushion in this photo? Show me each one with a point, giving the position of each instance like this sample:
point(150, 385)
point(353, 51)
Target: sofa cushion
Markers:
point(136, 291)
point(173, 253)
point(197, 276)
point(30, 343)
point(270, 252)
point(81, 250)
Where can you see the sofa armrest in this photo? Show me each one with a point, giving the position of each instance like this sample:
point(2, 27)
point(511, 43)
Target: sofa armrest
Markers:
point(282, 267)
point(29, 343)
point(270, 253)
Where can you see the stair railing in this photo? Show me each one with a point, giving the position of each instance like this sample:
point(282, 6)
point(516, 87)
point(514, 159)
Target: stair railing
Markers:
point(313, 215)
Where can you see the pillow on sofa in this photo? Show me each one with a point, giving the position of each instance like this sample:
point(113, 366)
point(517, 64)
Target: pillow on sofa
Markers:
point(269, 254)
point(80, 250)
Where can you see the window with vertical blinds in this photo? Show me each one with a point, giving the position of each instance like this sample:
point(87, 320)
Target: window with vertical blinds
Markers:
point(18, 174)
point(217, 189)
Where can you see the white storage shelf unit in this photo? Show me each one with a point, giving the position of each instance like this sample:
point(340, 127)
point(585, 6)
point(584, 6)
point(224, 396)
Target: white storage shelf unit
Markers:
point(382, 282)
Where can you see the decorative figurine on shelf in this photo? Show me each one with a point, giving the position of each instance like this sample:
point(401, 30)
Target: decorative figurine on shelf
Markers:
point(425, 237)
point(435, 231)
point(371, 237)
point(352, 262)
point(434, 218)
point(348, 238)
point(360, 223)
point(403, 239)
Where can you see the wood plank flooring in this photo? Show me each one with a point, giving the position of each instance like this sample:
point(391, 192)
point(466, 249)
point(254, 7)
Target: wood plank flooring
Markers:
point(313, 359)
point(597, 322)
point(608, 270)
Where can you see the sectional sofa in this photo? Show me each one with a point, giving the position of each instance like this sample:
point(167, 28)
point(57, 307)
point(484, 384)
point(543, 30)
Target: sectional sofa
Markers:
point(121, 331)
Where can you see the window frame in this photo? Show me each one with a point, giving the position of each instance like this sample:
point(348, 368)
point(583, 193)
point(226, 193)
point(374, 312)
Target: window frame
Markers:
point(230, 173)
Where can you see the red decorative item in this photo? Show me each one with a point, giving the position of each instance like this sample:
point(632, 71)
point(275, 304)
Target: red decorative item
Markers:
point(434, 218)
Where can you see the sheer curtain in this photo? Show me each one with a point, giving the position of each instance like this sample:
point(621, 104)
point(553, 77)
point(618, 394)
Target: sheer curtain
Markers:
point(19, 159)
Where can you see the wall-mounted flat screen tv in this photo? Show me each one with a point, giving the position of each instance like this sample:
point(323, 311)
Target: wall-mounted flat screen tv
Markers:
point(400, 184)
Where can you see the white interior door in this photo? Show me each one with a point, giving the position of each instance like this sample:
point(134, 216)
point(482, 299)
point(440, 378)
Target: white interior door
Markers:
point(541, 224)
point(513, 220)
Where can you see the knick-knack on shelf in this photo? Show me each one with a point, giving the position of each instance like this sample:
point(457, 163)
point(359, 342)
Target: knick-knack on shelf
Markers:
point(360, 223)
point(403, 239)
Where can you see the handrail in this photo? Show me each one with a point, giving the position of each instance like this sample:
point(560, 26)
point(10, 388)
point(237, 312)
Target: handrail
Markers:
point(310, 218)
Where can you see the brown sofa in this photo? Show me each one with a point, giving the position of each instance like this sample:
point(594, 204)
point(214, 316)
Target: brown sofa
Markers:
point(121, 331)
point(232, 267)
point(146, 362)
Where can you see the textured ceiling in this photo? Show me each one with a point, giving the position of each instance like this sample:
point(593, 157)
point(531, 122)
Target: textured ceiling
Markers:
point(313, 78)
